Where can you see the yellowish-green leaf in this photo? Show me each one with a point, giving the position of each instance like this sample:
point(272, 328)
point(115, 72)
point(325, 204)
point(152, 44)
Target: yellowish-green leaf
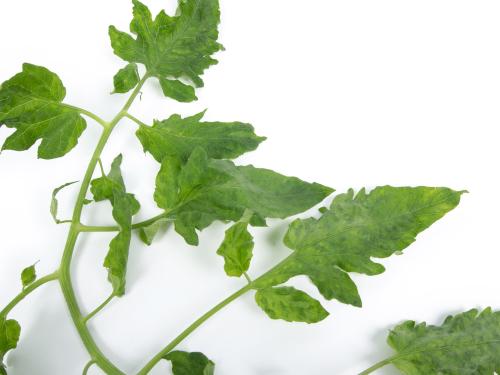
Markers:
point(28, 275)
point(465, 344)
point(184, 363)
point(290, 304)
point(147, 234)
point(237, 249)
point(126, 79)
point(10, 330)
point(355, 230)
point(177, 90)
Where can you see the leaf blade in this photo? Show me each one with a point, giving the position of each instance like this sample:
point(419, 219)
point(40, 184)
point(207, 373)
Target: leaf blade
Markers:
point(31, 103)
point(10, 331)
point(290, 304)
point(468, 341)
point(125, 206)
point(184, 363)
point(353, 231)
point(236, 249)
point(172, 47)
point(126, 79)
point(178, 137)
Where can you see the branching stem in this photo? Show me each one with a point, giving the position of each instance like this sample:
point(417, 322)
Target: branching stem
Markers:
point(256, 284)
point(149, 366)
point(142, 224)
point(136, 120)
point(99, 308)
point(28, 290)
point(87, 367)
point(89, 114)
point(65, 269)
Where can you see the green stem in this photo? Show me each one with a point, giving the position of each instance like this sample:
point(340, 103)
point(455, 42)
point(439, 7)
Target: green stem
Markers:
point(136, 120)
point(87, 367)
point(247, 277)
point(255, 284)
point(101, 167)
point(149, 366)
point(99, 308)
point(142, 224)
point(376, 366)
point(65, 268)
point(30, 288)
point(93, 116)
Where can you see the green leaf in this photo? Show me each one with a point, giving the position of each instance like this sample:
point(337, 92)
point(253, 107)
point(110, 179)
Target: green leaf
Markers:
point(28, 275)
point(126, 79)
point(353, 231)
point(10, 331)
point(31, 102)
point(167, 186)
point(54, 204)
point(290, 304)
point(179, 47)
point(148, 233)
point(237, 249)
point(209, 190)
point(112, 188)
point(184, 363)
point(467, 343)
point(177, 137)
point(177, 90)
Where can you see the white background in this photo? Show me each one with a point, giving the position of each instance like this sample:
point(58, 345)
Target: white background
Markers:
point(349, 94)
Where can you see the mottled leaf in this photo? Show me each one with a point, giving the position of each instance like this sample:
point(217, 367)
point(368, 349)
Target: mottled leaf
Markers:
point(54, 204)
point(10, 330)
point(466, 344)
point(112, 188)
point(28, 275)
point(237, 249)
point(31, 103)
point(177, 90)
point(290, 304)
point(209, 190)
point(353, 231)
point(177, 137)
point(126, 79)
point(172, 47)
point(184, 363)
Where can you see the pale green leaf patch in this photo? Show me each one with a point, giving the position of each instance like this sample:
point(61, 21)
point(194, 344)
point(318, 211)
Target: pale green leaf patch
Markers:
point(28, 275)
point(148, 233)
point(290, 304)
point(10, 331)
point(177, 90)
point(195, 363)
point(126, 79)
point(237, 247)
point(31, 103)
